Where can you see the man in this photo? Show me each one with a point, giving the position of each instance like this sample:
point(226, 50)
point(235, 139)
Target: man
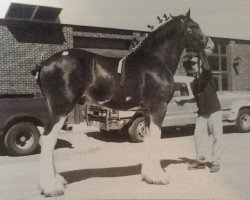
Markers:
point(209, 121)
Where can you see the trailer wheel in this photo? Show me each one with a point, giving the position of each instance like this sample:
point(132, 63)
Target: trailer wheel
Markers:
point(22, 139)
point(137, 130)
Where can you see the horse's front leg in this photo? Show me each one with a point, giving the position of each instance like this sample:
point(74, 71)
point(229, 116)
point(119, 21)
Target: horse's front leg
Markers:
point(51, 183)
point(152, 171)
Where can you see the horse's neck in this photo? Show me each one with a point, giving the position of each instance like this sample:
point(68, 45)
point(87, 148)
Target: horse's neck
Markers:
point(169, 52)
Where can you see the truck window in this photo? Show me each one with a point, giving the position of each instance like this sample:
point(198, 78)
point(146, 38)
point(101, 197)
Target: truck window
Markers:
point(180, 90)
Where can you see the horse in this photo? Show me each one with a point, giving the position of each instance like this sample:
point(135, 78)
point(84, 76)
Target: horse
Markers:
point(76, 76)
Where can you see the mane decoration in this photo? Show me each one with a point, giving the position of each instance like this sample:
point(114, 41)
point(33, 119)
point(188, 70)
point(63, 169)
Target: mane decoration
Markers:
point(151, 34)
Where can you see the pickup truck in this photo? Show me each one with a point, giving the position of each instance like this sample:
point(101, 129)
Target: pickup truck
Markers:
point(235, 109)
point(20, 116)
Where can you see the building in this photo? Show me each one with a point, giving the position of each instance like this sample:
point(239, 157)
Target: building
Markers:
point(29, 32)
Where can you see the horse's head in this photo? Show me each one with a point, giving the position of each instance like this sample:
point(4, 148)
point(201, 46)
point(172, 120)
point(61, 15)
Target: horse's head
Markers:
point(194, 37)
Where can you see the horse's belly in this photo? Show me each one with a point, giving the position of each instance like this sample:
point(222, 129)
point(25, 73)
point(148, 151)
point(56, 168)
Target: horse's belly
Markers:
point(122, 103)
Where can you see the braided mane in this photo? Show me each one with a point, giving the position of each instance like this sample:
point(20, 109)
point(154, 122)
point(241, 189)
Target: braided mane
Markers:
point(163, 31)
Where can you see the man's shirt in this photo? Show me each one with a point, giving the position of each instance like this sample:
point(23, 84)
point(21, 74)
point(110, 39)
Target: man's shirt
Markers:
point(205, 93)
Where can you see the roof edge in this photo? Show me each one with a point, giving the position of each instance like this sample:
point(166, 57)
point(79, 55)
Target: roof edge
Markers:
point(5, 22)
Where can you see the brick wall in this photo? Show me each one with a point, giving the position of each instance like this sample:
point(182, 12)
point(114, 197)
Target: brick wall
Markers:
point(18, 59)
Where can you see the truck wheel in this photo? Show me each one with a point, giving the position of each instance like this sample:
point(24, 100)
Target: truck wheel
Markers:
point(243, 121)
point(22, 139)
point(137, 130)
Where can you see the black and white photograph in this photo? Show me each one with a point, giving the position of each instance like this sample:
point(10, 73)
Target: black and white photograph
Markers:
point(124, 99)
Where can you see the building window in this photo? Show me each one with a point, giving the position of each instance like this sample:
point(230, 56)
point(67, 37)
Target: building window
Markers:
point(221, 81)
point(218, 62)
point(214, 62)
point(224, 82)
point(224, 63)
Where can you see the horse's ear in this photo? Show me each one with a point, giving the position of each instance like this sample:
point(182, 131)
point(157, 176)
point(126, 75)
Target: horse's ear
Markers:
point(188, 14)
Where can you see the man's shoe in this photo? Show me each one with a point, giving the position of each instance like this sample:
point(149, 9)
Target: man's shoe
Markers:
point(197, 165)
point(215, 167)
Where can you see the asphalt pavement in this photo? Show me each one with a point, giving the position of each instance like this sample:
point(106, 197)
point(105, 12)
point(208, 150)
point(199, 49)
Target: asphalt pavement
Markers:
point(99, 166)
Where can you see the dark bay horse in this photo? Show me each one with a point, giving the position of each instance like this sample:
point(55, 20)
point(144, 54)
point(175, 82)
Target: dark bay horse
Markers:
point(77, 76)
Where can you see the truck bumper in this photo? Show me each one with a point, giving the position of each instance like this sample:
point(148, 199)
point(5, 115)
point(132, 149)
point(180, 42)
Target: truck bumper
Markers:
point(112, 125)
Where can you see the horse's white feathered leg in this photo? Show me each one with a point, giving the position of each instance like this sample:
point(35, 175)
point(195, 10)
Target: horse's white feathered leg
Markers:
point(152, 171)
point(51, 183)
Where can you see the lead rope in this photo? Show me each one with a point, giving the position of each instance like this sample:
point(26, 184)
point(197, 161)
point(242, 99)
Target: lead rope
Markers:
point(199, 65)
point(199, 69)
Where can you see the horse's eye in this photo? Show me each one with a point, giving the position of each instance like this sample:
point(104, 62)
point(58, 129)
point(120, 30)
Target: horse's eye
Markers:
point(189, 30)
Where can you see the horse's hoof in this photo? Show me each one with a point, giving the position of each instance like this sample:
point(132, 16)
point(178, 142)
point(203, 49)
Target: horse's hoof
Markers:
point(53, 194)
point(56, 189)
point(60, 182)
point(158, 180)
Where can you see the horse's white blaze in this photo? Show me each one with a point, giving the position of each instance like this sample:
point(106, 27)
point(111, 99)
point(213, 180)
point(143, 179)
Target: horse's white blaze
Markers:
point(47, 180)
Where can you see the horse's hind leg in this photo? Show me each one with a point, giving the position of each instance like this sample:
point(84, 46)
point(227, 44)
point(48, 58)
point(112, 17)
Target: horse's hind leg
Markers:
point(51, 183)
point(152, 171)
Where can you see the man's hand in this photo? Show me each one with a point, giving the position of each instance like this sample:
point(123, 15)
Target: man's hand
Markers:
point(210, 47)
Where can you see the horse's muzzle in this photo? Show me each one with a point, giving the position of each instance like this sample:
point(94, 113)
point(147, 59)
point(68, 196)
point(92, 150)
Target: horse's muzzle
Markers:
point(209, 47)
